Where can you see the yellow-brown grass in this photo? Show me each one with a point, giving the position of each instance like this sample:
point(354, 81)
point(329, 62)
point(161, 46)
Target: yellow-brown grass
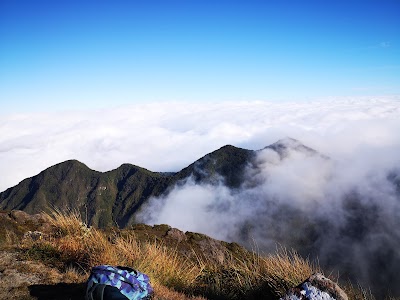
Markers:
point(286, 269)
point(171, 273)
point(160, 262)
point(256, 276)
point(74, 275)
point(88, 247)
point(68, 223)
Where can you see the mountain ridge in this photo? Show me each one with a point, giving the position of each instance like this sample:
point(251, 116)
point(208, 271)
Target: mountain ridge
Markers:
point(333, 226)
point(113, 197)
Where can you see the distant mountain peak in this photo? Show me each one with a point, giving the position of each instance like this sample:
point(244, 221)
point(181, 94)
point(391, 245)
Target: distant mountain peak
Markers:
point(282, 147)
point(288, 142)
point(68, 164)
point(115, 196)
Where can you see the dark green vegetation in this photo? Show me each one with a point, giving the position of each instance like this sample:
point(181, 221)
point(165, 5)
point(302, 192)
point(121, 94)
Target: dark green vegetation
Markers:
point(110, 198)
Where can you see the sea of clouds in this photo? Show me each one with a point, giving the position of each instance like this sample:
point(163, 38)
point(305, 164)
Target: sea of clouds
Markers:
point(169, 136)
point(343, 211)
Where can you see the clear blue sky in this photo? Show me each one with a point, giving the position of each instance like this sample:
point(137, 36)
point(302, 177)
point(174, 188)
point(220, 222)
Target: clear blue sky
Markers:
point(74, 54)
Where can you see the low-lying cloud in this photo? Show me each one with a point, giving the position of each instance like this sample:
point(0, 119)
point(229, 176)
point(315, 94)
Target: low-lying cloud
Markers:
point(346, 213)
point(343, 210)
point(169, 136)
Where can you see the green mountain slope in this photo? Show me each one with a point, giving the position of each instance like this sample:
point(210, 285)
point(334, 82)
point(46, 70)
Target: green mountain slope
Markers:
point(113, 198)
point(227, 164)
point(103, 198)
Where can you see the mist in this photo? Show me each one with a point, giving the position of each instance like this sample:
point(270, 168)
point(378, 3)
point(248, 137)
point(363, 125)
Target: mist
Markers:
point(343, 212)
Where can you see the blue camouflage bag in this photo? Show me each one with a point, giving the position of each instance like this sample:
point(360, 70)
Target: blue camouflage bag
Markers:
point(117, 283)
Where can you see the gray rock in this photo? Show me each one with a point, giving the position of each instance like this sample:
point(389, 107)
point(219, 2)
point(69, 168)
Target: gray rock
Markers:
point(22, 217)
point(176, 234)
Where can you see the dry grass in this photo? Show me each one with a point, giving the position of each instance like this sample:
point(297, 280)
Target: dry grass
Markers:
point(286, 269)
point(73, 248)
point(68, 223)
point(256, 276)
point(74, 275)
point(173, 275)
point(87, 247)
point(164, 264)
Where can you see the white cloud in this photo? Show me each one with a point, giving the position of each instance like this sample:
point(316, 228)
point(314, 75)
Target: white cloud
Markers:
point(169, 136)
point(361, 135)
point(344, 212)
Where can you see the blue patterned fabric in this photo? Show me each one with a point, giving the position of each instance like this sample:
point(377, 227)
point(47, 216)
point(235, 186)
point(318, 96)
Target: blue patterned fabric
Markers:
point(131, 283)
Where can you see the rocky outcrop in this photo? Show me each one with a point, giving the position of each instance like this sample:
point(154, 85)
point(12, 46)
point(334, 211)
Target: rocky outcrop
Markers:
point(176, 234)
point(316, 287)
point(191, 244)
point(37, 222)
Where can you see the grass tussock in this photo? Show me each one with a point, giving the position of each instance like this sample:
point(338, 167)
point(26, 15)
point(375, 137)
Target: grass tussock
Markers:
point(256, 276)
point(286, 269)
point(158, 261)
point(68, 224)
point(75, 248)
point(74, 275)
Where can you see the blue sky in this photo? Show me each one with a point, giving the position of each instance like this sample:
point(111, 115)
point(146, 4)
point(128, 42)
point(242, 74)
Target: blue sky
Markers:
point(85, 54)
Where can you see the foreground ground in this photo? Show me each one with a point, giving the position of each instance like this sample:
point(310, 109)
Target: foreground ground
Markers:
point(50, 257)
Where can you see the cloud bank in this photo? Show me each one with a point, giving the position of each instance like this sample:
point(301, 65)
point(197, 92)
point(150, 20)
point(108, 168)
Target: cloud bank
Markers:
point(344, 210)
point(169, 136)
point(345, 213)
